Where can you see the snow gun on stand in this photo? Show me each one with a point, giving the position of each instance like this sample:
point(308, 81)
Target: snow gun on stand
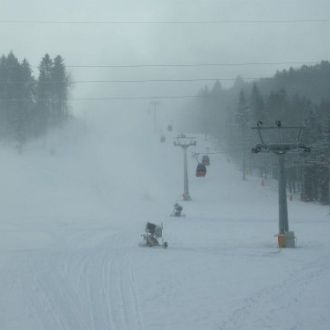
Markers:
point(177, 211)
point(153, 235)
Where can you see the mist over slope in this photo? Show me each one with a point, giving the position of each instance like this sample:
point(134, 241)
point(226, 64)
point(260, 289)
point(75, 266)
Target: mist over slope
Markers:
point(74, 207)
point(87, 169)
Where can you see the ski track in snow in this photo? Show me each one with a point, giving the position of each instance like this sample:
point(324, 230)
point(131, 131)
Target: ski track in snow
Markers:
point(85, 271)
point(116, 305)
point(244, 316)
point(93, 290)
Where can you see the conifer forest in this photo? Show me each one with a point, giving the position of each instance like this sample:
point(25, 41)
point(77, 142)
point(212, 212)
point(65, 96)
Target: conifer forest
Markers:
point(32, 105)
point(295, 97)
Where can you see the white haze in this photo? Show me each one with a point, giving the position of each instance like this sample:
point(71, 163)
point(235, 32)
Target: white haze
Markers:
point(72, 210)
point(73, 204)
point(122, 44)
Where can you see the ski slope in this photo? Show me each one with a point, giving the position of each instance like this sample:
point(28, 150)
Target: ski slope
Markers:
point(72, 211)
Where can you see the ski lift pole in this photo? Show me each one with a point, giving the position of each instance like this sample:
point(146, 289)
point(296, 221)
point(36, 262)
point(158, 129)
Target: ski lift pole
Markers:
point(186, 195)
point(155, 124)
point(185, 142)
point(280, 148)
point(282, 197)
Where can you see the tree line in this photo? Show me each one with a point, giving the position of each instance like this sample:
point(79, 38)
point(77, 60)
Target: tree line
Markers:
point(296, 97)
point(29, 106)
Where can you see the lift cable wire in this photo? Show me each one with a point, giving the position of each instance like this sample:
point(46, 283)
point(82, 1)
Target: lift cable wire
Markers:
point(191, 65)
point(183, 65)
point(135, 81)
point(169, 22)
point(110, 98)
point(4, 82)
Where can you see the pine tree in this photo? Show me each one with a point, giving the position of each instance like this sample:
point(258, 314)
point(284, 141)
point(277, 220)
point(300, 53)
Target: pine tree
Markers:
point(242, 114)
point(45, 95)
point(257, 104)
point(242, 119)
point(11, 98)
point(60, 85)
point(24, 114)
point(16, 98)
point(28, 108)
point(3, 95)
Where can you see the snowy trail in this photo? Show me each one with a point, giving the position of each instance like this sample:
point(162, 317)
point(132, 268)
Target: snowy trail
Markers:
point(80, 288)
point(69, 255)
point(269, 303)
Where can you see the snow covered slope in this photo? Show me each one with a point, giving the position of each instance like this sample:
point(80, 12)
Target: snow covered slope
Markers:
point(72, 211)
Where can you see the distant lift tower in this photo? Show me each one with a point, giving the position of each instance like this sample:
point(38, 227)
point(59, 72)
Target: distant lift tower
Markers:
point(155, 104)
point(279, 138)
point(185, 142)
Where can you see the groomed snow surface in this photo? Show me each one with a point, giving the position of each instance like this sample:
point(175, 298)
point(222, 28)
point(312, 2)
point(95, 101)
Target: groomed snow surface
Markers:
point(73, 208)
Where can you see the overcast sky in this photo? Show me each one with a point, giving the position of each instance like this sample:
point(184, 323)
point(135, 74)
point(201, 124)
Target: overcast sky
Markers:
point(122, 44)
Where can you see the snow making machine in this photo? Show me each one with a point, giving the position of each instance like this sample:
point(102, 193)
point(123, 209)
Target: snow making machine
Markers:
point(177, 211)
point(153, 235)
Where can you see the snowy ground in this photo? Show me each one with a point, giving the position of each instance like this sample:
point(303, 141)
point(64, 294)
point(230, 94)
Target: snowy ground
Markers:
point(72, 211)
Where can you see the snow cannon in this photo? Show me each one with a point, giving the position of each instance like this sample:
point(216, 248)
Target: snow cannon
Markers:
point(153, 236)
point(177, 211)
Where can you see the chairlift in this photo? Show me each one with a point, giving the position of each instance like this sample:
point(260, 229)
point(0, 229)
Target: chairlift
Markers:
point(206, 160)
point(200, 170)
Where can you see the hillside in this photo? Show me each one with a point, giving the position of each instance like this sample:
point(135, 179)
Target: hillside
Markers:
point(71, 224)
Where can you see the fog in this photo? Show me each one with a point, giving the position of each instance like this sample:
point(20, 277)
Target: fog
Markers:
point(133, 42)
point(76, 192)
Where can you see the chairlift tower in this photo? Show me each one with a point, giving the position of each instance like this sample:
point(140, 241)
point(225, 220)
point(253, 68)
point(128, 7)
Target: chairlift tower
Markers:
point(155, 124)
point(185, 142)
point(279, 145)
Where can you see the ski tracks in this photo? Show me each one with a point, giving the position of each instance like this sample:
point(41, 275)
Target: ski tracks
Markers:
point(52, 301)
point(109, 292)
point(121, 294)
point(95, 290)
point(130, 296)
point(266, 303)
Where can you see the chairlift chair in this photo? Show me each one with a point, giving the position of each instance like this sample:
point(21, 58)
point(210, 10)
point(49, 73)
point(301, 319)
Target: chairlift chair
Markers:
point(200, 170)
point(206, 160)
